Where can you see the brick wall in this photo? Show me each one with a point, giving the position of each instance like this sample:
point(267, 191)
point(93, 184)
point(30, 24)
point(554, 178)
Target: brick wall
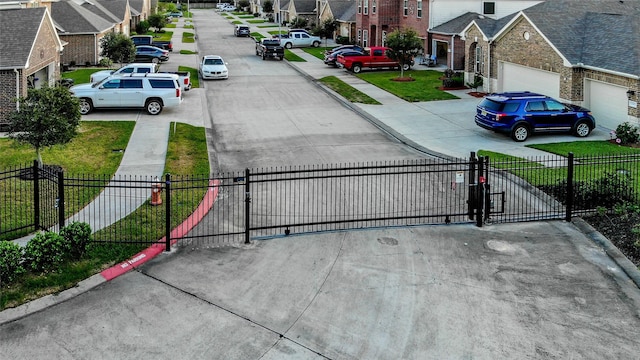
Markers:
point(80, 49)
point(7, 92)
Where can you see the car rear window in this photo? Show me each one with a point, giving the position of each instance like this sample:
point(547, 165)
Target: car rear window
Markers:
point(163, 84)
point(499, 106)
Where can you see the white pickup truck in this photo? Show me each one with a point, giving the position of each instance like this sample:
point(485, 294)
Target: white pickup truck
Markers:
point(300, 39)
point(142, 68)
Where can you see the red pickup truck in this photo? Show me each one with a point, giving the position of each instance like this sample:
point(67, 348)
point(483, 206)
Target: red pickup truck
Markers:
point(372, 57)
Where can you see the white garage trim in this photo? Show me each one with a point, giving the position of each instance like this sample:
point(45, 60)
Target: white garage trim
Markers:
point(607, 102)
point(514, 77)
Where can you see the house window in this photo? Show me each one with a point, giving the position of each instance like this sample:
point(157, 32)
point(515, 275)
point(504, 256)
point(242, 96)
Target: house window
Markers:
point(477, 64)
point(419, 15)
point(366, 7)
point(489, 8)
point(365, 38)
point(406, 7)
point(359, 36)
point(384, 37)
point(373, 6)
point(359, 6)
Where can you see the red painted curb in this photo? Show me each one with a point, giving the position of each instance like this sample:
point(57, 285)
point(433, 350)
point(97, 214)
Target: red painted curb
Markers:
point(157, 248)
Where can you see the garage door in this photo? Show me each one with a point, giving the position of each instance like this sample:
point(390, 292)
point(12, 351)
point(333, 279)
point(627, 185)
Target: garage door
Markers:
point(521, 78)
point(607, 102)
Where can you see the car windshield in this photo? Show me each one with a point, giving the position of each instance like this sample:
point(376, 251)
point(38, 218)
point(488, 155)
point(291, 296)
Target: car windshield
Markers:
point(213, 62)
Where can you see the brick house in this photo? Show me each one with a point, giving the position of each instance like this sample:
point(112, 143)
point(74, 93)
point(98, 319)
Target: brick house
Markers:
point(581, 51)
point(29, 54)
point(342, 11)
point(376, 18)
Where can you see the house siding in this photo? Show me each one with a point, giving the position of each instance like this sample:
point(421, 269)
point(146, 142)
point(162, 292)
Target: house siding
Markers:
point(8, 92)
point(81, 49)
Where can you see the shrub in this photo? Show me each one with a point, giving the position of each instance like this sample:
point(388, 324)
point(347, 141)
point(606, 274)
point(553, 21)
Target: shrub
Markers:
point(628, 133)
point(607, 191)
point(105, 62)
point(77, 236)
point(46, 251)
point(10, 261)
point(343, 40)
point(142, 27)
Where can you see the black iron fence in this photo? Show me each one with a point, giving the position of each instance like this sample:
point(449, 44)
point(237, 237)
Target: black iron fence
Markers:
point(235, 207)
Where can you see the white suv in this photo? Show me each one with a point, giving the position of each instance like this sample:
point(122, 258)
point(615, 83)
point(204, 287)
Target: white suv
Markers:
point(149, 91)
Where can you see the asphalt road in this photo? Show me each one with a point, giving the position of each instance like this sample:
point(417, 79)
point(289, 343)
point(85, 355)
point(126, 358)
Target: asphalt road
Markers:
point(537, 290)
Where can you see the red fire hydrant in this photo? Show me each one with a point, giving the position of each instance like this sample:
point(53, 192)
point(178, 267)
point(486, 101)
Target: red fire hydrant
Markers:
point(156, 189)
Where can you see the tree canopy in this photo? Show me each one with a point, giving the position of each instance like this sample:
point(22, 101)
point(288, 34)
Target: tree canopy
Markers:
point(118, 47)
point(157, 21)
point(405, 45)
point(47, 116)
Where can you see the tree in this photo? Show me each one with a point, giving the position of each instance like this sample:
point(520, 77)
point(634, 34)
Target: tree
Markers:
point(47, 116)
point(118, 47)
point(329, 27)
point(405, 45)
point(157, 21)
point(267, 6)
point(243, 4)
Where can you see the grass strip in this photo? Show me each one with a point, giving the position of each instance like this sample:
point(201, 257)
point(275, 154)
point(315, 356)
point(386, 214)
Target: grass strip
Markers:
point(347, 91)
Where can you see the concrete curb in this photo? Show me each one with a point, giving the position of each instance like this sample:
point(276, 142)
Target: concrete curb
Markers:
point(612, 251)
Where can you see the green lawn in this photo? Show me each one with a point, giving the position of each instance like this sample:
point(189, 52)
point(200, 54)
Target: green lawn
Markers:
point(195, 81)
point(257, 36)
point(266, 26)
point(92, 153)
point(80, 76)
point(292, 57)
point(187, 52)
point(245, 16)
point(188, 37)
point(276, 32)
point(347, 91)
point(317, 52)
point(256, 21)
point(423, 88)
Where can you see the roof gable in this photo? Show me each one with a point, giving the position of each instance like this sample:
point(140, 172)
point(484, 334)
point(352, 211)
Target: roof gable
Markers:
point(19, 29)
point(70, 18)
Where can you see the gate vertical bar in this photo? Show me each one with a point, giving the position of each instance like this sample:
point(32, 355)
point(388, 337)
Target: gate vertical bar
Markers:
point(569, 205)
point(247, 207)
point(487, 190)
point(167, 221)
point(36, 195)
point(479, 191)
point(60, 203)
point(471, 202)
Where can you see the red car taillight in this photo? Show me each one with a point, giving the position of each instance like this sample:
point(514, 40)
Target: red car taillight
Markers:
point(178, 93)
point(500, 117)
point(186, 81)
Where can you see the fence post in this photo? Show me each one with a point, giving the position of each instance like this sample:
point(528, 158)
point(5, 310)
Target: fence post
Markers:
point(569, 205)
point(479, 191)
point(487, 190)
point(61, 220)
point(36, 195)
point(167, 215)
point(471, 202)
point(247, 207)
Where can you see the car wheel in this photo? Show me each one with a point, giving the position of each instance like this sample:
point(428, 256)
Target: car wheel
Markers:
point(154, 106)
point(155, 60)
point(288, 45)
point(357, 68)
point(264, 57)
point(520, 132)
point(582, 129)
point(281, 58)
point(406, 67)
point(257, 53)
point(316, 44)
point(86, 106)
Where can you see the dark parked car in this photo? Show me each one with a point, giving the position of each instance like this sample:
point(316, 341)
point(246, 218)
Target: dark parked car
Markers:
point(520, 114)
point(330, 59)
point(344, 47)
point(145, 53)
point(242, 30)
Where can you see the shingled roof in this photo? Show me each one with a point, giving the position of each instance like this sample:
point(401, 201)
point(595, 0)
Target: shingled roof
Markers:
point(71, 18)
point(343, 10)
point(598, 33)
point(305, 6)
point(601, 34)
point(19, 29)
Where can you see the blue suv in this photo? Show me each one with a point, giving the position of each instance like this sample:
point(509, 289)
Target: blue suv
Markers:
point(521, 113)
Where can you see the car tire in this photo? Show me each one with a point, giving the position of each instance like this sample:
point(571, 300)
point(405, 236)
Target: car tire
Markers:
point(356, 68)
point(281, 58)
point(520, 132)
point(153, 106)
point(582, 129)
point(406, 67)
point(86, 106)
point(288, 45)
point(316, 44)
point(264, 57)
